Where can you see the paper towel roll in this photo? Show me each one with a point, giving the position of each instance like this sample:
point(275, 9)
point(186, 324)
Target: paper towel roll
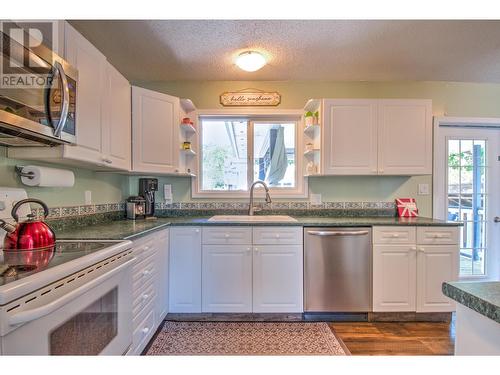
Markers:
point(47, 177)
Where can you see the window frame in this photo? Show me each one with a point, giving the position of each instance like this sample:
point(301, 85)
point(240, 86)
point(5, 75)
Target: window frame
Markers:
point(254, 115)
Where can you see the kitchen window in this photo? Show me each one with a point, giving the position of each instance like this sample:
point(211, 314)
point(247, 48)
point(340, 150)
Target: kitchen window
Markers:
point(236, 151)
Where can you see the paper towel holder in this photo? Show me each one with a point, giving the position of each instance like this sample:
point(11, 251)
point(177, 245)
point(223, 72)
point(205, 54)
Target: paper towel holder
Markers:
point(20, 173)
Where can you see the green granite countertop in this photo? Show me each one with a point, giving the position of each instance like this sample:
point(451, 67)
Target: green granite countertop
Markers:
point(130, 229)
point(482, 297)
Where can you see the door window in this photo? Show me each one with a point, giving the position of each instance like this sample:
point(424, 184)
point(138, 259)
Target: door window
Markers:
point(467, 199)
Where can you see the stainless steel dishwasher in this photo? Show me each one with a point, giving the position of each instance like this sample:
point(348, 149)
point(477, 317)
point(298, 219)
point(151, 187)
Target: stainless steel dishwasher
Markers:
point(338, 270)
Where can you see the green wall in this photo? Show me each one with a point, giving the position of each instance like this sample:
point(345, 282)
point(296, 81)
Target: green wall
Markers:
point(449, 98)
point(105, 187)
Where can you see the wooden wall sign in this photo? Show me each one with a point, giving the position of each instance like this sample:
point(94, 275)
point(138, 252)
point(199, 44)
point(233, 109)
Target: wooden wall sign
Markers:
point(250, 98)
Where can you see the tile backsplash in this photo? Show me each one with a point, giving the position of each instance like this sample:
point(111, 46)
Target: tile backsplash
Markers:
point(84, 210)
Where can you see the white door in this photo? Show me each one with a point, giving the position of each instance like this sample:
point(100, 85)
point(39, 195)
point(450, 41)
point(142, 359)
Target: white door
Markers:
point(466, 188)
point(350, 137)
point(155, 131)
point(227, 278)
point(117, 130)
point(91, 65)
point(435, 264)
point(394, 277)
point(405, 137)
point(277, 279)
point(185, 270)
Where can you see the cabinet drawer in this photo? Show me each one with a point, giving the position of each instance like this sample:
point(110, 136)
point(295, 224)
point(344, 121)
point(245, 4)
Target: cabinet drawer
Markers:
point(144, 299)
point(277, 236)
point(143, 333)
point(437, 235)
point(394, 235)
point(144, 271)
point(227, 235)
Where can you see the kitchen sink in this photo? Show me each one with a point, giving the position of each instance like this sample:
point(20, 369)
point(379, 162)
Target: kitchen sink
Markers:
point(252, 219)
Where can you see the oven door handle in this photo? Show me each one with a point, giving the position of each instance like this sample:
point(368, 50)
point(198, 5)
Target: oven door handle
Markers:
point(30, 315)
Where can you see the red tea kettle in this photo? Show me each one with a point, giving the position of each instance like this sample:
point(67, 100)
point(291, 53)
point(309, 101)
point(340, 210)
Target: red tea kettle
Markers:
point(28, 235)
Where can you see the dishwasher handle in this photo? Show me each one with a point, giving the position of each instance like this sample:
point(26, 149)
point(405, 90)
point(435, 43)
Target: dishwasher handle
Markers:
point(323, 233)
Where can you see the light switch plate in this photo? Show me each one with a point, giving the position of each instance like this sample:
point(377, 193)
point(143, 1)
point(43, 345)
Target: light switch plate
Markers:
point(88, 197)
point(315, 199)
point(423, 189)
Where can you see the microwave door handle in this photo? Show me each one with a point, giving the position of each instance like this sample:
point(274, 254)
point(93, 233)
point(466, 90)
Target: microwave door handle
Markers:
point(337, 233)
point(65, 99)
point(36, 313)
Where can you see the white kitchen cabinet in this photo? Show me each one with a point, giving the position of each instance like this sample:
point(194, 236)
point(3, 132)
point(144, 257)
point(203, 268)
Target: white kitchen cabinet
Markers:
point(350, 136)
point(155, 132)
point(162, 280)
point(375, 137)
point(277, 279)
point(408, 273)
point(394, 278)
point(91, 65)
point(185, 270)
point(117, 129)
point(435, 264)
point(227, 278)
point(405, 137)
point(149, 288)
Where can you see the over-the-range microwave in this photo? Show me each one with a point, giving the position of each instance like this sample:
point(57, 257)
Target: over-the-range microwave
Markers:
point(37, 96)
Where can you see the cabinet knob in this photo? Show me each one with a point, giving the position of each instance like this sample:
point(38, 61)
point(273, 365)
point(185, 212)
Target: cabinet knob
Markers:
point(226, 235)
point(145, 330)
point(197, 231)
point(421, 249)
point(413, 248)
point(256, 249)
point(145, 296)
point(146, 272)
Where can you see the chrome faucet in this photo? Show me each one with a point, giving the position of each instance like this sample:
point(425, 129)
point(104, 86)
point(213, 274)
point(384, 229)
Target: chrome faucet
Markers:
point(251, 208)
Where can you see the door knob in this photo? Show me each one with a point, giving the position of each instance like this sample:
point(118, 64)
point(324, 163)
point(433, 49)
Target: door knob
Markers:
point(496, 219)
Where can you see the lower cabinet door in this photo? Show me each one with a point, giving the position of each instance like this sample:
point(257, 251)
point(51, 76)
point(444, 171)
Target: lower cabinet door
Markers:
point(435, 264)
point(394, 278)
point(277, 279)
point(185, 270)
point(227, 278)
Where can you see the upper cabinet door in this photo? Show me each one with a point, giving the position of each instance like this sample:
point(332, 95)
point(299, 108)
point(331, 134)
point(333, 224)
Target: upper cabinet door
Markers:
point(91, 65)
point(350, 137)
point(155, 131)
point(117, 132)
point(405, 137)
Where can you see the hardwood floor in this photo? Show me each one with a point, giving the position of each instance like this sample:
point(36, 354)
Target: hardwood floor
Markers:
point(406, 338)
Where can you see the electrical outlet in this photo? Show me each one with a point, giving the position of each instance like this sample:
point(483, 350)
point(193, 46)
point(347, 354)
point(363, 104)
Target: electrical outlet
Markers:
point(167, 193)
point(423, 189)
point(88, 197)
point(315, 199)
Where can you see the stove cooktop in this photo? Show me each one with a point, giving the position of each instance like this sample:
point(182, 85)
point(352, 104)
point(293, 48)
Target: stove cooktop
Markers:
point(20, 264)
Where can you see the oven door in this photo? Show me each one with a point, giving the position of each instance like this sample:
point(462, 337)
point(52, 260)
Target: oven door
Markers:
point(93, 319)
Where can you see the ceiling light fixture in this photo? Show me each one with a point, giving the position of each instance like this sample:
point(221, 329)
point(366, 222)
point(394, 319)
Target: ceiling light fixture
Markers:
point(250, 61)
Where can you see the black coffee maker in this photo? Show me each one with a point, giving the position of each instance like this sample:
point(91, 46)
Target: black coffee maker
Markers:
point(147, 188)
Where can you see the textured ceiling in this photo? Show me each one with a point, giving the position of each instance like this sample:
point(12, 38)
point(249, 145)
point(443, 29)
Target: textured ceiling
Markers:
point(301, 50)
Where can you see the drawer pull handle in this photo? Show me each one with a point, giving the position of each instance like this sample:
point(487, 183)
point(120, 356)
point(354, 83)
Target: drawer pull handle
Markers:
point(145, 330)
